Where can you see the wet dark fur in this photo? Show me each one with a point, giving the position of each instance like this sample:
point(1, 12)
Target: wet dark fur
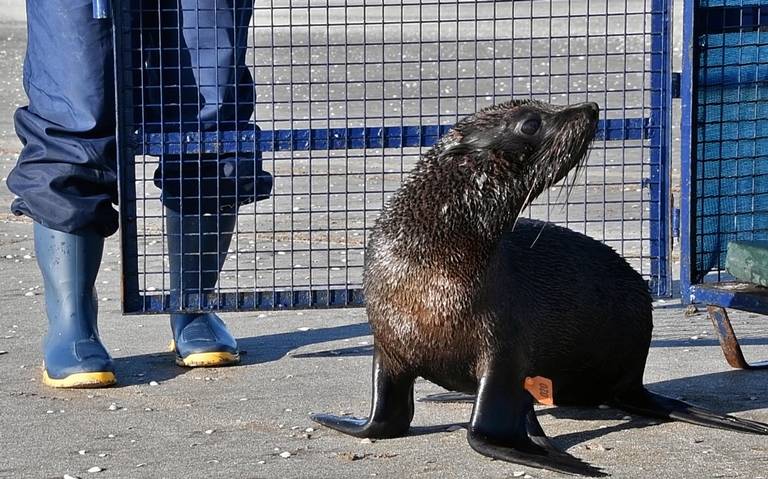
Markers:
point(575, 313)
point(436, 253)
point(462, 293)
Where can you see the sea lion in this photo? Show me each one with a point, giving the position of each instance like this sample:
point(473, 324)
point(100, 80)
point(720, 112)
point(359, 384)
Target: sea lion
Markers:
point(462, 293)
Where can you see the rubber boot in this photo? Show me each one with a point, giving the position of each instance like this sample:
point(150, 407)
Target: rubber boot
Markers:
point(74, 354)
point(197, 245)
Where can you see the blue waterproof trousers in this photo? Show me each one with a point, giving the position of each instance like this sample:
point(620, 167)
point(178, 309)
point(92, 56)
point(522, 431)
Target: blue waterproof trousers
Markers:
point(66, 174)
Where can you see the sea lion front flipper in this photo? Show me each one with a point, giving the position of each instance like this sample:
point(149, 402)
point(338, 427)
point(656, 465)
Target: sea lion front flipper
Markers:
point(504, 426)
point(391, 409)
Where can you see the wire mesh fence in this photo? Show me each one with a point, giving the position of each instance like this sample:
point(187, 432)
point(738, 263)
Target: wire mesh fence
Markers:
point(726, 168)
point(336, 101)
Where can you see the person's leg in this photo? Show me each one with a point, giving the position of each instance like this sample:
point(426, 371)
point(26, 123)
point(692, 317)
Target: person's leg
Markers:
point(202, 193)
point(65, 178)
point(197, 248)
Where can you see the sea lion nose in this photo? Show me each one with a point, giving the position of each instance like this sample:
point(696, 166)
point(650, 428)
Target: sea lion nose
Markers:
point(592, 107)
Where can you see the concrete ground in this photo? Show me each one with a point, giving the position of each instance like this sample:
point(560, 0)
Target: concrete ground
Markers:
point(165, 421)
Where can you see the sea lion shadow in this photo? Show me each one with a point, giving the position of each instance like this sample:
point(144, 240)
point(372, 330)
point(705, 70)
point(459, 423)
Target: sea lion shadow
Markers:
point(271, 347)
point(571, 439)
point(706, 391)
point(730, 391)
point(563, 441)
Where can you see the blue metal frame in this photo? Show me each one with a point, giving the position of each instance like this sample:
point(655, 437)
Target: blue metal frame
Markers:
point(699, 21)
point(661, 131)
point(252, 140)
point(688, 83)
point(655, 129)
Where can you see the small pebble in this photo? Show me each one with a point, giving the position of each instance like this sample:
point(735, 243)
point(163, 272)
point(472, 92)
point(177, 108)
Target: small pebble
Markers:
point(49, 412)
point(751, 398)
point(82, 452)
point(103, 454)
point(3, 352)
point(148, 409)
point(29, 293)
point(694, 337)
point(366, 441)
point(285, 454)
point(95, 469)
point(112, 407)
point(67, 476)
point(141, 465)
point(154, 383)
point(209, 431)
point(261, 462)
point(111, 436)
point(603, 406)
point(309, 429)
point(518, 473)
point(597, 447)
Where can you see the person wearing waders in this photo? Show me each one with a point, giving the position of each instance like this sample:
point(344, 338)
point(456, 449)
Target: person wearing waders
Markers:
point(65, 178)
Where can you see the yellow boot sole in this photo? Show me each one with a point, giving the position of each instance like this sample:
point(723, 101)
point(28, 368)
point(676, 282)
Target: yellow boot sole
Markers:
point(81, 380)
point(208, 360)
point(205, 360)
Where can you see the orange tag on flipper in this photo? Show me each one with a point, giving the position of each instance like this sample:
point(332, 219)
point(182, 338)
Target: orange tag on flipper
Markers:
point(540, 388)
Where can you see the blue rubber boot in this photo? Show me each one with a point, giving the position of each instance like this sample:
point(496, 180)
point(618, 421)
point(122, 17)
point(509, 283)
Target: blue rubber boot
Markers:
point(74, 354)
point(197, 245)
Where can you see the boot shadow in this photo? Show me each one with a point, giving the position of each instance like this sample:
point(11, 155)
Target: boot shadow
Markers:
point(161, 366)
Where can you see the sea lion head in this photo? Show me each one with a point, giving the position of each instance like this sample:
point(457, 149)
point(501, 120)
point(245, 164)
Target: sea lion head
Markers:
point(524, 146)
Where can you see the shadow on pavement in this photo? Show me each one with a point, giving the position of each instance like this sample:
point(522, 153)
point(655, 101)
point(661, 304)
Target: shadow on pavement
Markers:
point(141, 369)
point(271, 347)
point(724, 392)
point(695, 343)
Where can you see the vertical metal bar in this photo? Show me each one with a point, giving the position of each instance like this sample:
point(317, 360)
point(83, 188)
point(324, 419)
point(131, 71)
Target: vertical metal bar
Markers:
point(688, 88)
point(126, 172)
point(661, 111)
point(101, 9)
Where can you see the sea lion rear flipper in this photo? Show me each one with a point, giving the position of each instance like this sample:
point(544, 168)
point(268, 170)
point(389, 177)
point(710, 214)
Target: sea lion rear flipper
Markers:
point(504, 426)
point(646, 403)
point(391, 409)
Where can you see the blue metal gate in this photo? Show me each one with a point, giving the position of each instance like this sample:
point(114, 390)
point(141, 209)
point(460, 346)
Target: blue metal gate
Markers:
point(349, 93)
point(725, 144)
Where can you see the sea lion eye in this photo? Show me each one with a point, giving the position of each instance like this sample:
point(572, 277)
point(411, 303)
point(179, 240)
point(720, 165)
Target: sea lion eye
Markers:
point(530, 126)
